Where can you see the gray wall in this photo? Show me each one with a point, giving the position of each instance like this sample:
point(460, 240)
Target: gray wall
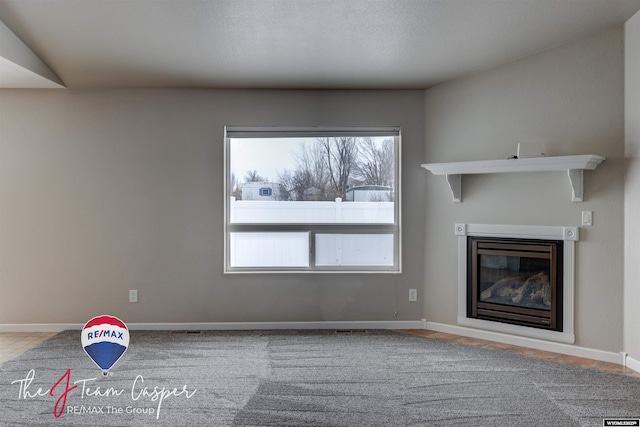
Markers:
point(632, 188)
point(106, 191)
point(571, 100)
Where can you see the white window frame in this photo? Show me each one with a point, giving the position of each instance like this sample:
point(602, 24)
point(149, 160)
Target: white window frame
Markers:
point(314, 229)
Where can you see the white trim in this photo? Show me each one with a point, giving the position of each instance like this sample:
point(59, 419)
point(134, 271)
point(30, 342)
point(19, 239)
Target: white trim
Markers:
point(224, 326)
point(631, 363)
point(571, 350)
point(519, 231)
point(569, 234)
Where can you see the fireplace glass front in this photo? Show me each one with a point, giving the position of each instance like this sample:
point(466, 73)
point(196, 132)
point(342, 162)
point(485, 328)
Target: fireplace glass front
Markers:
point(515, 281)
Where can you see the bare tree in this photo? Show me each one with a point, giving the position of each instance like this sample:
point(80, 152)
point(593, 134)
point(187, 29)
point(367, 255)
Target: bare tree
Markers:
point(309, 181)
point(375, 163)
point(287, 187)
point(327, 168)
point(340, 155)
point(253, 176)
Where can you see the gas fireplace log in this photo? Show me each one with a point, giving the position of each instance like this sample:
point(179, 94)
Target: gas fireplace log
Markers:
point(515, 288)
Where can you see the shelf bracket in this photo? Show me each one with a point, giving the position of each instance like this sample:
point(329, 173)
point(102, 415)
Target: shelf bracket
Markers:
point(575, 179)
point(455, 184)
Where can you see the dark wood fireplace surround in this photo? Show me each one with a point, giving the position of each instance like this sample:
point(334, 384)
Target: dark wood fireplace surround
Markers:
point(517, 281)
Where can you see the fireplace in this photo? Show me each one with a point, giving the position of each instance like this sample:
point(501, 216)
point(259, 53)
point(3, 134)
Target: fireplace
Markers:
point(498, 329)
point(515, 281)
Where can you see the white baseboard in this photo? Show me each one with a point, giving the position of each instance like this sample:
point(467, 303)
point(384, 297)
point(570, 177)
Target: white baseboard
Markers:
point(631, 363)
point(224, 326)
point(556, 347)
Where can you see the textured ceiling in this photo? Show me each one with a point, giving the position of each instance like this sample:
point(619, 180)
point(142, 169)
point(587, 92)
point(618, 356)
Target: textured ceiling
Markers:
point(315, 44)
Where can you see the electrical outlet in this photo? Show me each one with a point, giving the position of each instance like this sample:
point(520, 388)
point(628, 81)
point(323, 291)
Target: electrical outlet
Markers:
point(587, 218)
point(133, 295)
point(413, 295)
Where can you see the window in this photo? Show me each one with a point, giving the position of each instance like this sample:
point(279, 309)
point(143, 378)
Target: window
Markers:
point(266, 192)
point(312, 199)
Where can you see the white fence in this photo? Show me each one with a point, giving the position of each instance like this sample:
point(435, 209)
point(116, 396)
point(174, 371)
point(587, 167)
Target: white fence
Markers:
point(281, 212)
point(291, 249)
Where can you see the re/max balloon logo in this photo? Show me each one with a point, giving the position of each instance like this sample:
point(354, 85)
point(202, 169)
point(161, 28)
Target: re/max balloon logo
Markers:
point(105, 340)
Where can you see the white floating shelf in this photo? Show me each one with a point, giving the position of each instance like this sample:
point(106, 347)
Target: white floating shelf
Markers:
point(574, 165)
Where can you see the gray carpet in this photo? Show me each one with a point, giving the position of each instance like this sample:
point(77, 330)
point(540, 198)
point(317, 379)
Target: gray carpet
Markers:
point(309, 378)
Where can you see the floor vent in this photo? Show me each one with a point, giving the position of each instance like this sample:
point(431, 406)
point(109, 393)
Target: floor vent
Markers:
point(351, 331)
